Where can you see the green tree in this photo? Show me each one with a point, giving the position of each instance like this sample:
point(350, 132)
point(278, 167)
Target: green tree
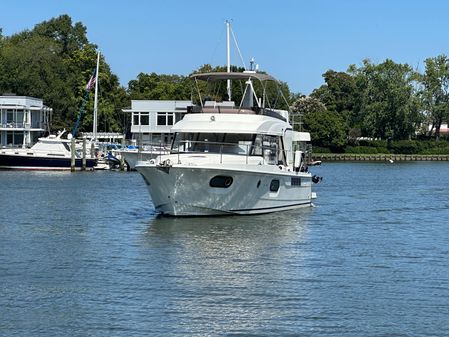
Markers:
point(159, 87)
point(387, 104)
point(327, 129)
point(54, 61)
point(435, 92)
point(338, 93)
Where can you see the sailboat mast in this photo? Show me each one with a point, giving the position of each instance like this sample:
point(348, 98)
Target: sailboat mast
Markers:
point(228, 54)
point(96, 99)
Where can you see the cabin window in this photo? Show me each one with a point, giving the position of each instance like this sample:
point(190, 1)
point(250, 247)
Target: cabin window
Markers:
point(213, 142)
point(296, 181)
point(221, 181)
point(274, 186)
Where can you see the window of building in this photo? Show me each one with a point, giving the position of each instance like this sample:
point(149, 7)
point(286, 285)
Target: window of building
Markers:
point(14, 138)
point(165, 118)
point(144, 119)
point(9, 116)
point(135, 118)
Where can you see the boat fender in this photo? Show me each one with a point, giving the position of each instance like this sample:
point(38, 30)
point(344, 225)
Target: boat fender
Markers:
point(165, 163)
point(316, 179)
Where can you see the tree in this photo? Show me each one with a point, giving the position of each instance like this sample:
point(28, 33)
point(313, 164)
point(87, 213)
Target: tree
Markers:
point(327, 129)
point(435, 92)
point(54, 61)
point(160, 87)
point(387, 105)
point(338, 94)
point(305, 105)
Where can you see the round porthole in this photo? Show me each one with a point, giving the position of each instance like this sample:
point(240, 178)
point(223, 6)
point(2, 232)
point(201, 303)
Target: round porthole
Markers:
point(221, 181)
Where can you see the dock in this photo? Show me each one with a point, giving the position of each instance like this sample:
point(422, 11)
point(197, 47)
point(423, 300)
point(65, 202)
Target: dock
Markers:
point(377, 157)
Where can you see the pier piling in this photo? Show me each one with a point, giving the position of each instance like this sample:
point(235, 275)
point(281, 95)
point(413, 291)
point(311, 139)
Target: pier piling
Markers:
point(84, 154)
point(72, 161)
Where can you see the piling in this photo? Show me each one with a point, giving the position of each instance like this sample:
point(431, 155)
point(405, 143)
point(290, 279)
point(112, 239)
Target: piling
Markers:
point(92, 150)
point(122, 158)
point(72, 152)
point(83, 167)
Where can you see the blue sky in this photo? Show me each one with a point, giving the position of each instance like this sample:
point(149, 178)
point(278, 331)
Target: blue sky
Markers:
point(295, 41)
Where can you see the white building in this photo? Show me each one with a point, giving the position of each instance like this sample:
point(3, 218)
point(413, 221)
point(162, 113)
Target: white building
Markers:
point(22, 120)
point(152, 120)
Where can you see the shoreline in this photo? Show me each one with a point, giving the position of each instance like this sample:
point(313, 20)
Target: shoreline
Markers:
point(378, 157)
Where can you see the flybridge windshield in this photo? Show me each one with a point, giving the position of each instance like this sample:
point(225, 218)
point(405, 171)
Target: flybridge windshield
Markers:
point(270, 147)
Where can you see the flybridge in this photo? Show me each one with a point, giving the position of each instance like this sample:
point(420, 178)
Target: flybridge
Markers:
point(250, 103)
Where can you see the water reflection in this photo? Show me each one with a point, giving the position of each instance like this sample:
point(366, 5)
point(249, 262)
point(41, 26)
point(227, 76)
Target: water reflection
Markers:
point(228, 270)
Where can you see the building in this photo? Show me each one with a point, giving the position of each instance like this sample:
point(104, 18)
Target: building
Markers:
point(22, 120)
point(152, 120)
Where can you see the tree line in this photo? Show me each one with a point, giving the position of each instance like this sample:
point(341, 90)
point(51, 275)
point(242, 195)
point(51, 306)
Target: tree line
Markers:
point(388, 101)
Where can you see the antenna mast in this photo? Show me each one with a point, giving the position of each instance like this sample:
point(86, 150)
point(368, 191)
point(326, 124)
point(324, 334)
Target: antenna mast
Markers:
point(96, 99)
point(228, 54)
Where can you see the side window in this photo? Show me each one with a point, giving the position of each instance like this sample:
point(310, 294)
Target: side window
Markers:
point(274, 186)
point(221, 181)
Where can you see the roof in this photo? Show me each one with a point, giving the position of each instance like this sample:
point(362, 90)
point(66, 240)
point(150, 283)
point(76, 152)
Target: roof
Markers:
point(230, 123)
point(219, 76)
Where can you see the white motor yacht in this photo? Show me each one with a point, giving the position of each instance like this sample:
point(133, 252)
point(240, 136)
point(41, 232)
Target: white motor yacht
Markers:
point(231, 159)
point(49, 153)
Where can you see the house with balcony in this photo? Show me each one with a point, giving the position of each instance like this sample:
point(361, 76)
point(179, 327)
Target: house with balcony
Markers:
point(151, 120)
point(23, 120)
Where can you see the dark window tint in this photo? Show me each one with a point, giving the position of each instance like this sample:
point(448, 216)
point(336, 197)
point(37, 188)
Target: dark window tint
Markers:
point(221, 181)
point(274, 186)
point(296, 181)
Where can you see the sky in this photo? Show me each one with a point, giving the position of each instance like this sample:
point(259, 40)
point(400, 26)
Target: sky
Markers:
point(296, 41)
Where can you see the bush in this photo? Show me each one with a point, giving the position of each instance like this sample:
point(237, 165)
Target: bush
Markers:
point(366, 150)
point(406, 147)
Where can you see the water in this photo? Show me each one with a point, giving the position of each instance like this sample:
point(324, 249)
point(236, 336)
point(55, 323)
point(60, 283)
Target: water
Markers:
point(85, 255)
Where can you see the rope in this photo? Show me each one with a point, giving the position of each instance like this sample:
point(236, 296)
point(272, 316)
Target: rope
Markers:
point(238, 49)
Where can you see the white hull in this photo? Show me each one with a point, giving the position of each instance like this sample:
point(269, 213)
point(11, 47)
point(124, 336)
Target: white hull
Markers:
point(131, 157)
point(183, 190)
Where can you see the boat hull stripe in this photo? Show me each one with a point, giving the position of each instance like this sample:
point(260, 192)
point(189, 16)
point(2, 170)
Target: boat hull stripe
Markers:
point(270, 208)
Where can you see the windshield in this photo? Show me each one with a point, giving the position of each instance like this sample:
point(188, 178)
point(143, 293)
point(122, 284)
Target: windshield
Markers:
point(230, 143)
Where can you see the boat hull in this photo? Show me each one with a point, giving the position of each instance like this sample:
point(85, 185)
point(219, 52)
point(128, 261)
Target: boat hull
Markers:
point(186, 191)
point(24, 162)
point(132, 157)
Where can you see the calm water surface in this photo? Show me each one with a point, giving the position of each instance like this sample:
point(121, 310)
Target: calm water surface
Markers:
point(84, 254)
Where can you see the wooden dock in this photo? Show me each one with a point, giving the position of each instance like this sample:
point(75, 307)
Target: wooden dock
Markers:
point(377, 157)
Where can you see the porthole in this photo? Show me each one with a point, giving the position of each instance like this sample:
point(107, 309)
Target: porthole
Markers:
point(274, 186)
point(221, 181)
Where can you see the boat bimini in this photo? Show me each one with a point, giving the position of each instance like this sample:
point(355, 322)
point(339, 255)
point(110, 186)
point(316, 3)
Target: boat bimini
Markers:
point(228, 159)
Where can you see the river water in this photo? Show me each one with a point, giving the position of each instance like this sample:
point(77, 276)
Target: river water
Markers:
point(84, 254)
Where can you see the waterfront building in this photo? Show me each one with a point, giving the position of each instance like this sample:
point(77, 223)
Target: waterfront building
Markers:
point(151, 120)
point(23, 120)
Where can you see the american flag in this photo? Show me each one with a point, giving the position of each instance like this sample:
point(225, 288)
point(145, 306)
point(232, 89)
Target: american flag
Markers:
point(91, 82)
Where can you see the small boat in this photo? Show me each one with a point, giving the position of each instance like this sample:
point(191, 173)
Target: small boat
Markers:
point(49, 153)
point(132, 155)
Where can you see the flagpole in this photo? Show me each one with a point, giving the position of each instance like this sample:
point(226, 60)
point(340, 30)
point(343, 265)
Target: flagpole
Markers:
point(96, 99)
